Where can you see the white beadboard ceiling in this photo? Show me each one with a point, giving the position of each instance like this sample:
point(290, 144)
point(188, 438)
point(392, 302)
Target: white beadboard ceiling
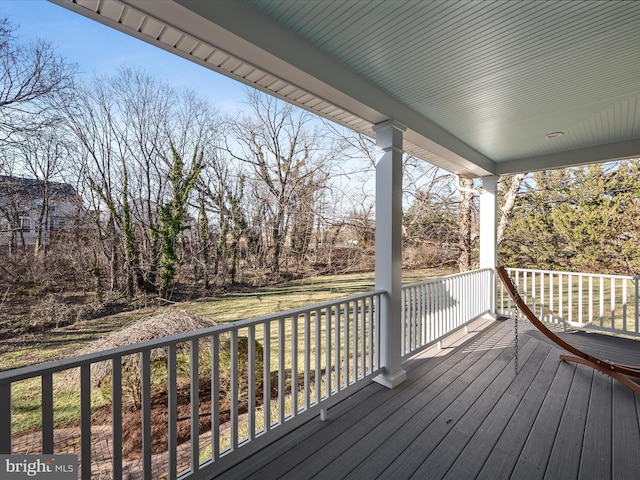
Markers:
point(478, 84)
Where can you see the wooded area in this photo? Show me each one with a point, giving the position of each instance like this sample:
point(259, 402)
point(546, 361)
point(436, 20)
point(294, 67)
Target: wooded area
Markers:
point(584, 219)
point(138, 189)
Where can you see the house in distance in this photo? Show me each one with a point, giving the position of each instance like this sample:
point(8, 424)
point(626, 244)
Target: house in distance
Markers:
point(35, 212)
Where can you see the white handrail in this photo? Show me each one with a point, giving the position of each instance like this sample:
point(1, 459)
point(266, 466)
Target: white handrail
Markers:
point(436, 307)
point(312, 357)
point(578, 300)
point(316, 355)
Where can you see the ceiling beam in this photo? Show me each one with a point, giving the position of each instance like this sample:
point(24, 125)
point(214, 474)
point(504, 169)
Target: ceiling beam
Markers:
point(581, 156)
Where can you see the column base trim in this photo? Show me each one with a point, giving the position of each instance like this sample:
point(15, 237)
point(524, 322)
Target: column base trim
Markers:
point(393, 380)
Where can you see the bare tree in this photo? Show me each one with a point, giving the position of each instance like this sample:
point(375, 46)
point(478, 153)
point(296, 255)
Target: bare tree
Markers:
point(222, 194)
point(33, 82)
point(466, 239)
point(432, 198)
point(465, 226)
point(431, 201)
point(45, 156)
point(126, 125)
point(95, 121)
point(290, 156)
point(143, 107)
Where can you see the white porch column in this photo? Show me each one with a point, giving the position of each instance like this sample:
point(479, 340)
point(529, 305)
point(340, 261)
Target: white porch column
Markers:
point(488, 230)
point(488, 225)
point(389, 248)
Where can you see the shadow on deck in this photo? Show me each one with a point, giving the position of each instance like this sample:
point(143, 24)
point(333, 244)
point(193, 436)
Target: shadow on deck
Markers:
point(463, 413)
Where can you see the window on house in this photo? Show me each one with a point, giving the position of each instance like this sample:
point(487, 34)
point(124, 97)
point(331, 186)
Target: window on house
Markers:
point(57, 223)
point(24, 224)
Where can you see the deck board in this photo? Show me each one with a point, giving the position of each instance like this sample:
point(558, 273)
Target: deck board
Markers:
point(627, 435)
point(464, 413)
point(429, 407)
point(474, 455)
point(534, 457)
point(596, 448)
point(403, 452)
point(448, 450)
point(564, 461)
point(607, 347)
point(343, 431)
point(502, 458)
point(406, 399)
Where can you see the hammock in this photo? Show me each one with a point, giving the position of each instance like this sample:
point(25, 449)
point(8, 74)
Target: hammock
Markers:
point(614, 370)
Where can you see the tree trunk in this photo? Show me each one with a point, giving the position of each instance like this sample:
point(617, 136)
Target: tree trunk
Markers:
point(465, 261)
point(509, 204)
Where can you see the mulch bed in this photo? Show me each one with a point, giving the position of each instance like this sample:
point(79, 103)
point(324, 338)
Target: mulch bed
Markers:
point(132, 420)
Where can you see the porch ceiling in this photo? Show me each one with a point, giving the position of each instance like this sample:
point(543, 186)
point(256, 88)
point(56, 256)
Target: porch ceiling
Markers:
point(478, 84)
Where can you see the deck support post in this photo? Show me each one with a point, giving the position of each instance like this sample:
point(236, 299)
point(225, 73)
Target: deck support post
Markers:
point(389, 249)
point(488, 231)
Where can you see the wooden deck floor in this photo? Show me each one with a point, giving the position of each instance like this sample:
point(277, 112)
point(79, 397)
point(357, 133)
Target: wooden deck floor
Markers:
point(463, 413)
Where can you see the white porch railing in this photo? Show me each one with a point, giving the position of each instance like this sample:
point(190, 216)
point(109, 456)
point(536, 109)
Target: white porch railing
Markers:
point(581, 300)
point(436, 307)
point(312, 357)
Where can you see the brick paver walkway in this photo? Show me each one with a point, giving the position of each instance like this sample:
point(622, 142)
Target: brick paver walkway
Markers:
point(67, 441)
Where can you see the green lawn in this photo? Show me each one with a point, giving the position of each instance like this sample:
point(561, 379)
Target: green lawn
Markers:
point(63, 342)
point(241, 306)
point(66, 341)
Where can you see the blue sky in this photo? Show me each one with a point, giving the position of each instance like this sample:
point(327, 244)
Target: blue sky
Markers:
point(97, 48)
point(100, 49)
